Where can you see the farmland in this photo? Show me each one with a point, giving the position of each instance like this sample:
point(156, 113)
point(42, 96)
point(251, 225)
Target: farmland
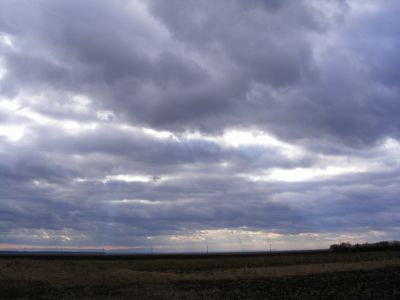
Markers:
point(300, 275)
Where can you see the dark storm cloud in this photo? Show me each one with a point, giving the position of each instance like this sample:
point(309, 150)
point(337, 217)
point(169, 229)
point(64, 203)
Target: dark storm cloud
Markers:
point(24, 164)
point(246, 36)
point(110, 61)
point(320, 75)
point(90, 56)
point(213, 65)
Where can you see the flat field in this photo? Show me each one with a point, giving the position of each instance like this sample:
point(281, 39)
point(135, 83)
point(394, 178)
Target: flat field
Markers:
point(300, 275)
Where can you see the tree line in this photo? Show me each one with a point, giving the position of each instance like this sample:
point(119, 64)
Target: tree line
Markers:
point(379, 246)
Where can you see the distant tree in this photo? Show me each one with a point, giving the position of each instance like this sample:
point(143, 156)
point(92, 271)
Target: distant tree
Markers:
point(380, 246)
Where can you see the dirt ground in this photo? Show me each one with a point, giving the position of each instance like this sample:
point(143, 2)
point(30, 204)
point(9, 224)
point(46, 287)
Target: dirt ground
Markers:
point(284, 276)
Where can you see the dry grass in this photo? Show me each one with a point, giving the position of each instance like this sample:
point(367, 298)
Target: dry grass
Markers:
point(155, 278)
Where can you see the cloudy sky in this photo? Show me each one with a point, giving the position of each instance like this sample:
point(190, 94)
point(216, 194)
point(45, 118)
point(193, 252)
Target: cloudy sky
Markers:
point(131, 124)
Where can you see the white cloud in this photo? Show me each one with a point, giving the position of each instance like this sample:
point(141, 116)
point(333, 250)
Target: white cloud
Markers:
point(7, 40)
point(137, 178)
point(12, 132)
point(135, 201)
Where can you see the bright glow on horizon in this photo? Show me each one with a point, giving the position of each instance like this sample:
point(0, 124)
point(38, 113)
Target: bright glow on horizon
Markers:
point(224, 233)
point(239, 239)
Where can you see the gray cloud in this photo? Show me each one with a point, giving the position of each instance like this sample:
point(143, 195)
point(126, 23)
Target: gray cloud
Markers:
point(209, 66)
point(83, 81)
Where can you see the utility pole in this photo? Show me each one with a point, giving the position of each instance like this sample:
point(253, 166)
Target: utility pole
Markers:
point(270, 245)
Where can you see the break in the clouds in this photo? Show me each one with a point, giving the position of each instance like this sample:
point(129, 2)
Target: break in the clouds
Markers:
point(178, 124)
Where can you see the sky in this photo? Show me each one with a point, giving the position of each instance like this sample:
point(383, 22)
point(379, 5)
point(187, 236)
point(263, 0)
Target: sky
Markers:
point(181, 124)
